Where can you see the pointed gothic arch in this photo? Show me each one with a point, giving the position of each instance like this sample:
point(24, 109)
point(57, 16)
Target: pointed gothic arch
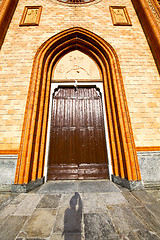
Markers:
point(30, 162)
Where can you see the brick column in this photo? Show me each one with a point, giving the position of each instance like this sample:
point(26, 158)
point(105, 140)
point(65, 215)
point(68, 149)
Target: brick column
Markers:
point(150, 27)
point(7, 9)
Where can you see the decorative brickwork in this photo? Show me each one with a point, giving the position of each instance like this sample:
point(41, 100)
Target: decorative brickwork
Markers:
point(155, 8)
point(31, 157)
point(148, 149)
point(7, 8)
point(140, 76)
point(9, 152)
point(150, 26)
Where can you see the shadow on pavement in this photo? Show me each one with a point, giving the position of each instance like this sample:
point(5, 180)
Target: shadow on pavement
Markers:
point(73, 218)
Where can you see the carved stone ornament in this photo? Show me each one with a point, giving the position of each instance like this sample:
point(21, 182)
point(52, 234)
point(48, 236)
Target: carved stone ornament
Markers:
point(120, 16)
point(31, 16)
point(76, 66)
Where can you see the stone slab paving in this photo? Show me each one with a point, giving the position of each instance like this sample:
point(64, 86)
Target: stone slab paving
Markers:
point(5, 199)
point(80, 210)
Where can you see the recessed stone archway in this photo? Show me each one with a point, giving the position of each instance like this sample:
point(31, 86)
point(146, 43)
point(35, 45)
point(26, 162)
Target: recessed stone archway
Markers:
point(30, 162)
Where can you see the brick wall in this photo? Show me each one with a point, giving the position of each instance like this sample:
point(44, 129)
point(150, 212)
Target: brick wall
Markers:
point(139, 72)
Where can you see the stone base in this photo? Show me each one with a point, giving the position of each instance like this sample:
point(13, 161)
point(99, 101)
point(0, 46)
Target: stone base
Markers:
point(149, 163)
point(131, 185)
point(23, 188)
point(8, 168)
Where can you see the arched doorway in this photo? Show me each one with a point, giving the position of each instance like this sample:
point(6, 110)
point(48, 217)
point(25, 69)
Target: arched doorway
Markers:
point(78, 143)
point(30, 165)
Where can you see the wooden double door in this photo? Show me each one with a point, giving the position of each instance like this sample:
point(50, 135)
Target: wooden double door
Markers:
point(77, 136)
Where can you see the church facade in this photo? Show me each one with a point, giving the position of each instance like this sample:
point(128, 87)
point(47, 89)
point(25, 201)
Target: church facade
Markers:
point(80, 91)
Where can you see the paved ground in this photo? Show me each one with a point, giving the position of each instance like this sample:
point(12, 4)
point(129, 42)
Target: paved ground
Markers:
point(78, 210)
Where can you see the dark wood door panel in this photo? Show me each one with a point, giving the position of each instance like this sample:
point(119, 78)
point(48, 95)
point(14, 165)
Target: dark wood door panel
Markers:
point(62, 146)
point(77, 134)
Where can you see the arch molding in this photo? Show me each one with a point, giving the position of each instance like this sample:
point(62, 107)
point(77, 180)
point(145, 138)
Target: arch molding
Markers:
point(30, 164)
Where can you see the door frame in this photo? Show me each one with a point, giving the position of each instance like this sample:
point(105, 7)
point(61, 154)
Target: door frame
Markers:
point(98, 85)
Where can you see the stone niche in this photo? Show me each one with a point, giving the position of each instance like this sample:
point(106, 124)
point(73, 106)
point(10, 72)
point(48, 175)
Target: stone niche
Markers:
point(76, 66)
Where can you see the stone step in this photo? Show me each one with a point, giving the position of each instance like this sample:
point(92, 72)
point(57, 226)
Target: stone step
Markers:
point(81, 186)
